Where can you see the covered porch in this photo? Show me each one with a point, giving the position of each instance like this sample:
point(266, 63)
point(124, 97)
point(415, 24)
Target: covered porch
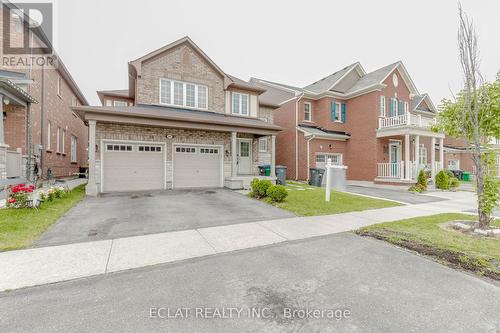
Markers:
point(13, 156)
point(407, 151)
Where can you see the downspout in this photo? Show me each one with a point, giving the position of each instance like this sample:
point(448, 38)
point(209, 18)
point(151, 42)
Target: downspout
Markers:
point(42, 125)
point(297, 136)
point(308, 156)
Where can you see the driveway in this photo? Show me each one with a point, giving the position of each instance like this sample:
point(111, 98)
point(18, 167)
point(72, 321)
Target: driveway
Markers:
point(386, 289)
point(122, 215)
point(402, 195)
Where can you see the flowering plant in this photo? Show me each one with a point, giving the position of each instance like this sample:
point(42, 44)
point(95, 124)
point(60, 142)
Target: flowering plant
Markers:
point(19, 195)
point(52, 193)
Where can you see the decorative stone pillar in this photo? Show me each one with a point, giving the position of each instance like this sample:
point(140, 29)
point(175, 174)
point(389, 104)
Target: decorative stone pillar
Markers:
point(234, 157)
point(91, 188)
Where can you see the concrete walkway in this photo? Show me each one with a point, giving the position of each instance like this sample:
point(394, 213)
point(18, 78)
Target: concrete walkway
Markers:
point(44, 265)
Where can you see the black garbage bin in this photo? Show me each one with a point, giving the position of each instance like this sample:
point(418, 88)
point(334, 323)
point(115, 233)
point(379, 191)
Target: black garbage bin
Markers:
point(281, 174)
point(316, 176)
point(459, 174)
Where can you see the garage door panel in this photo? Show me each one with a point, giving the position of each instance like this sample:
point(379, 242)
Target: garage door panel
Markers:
point(132, 170)
point(192, 168)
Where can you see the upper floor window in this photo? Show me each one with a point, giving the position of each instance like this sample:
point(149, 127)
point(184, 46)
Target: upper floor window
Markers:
point(183, 94)
point(59, 86)
point(307, 111)
point(394, 107)
point(382, 106)
point(336, 111)
point(120, 103)
point(240, 104)
point(407, 107)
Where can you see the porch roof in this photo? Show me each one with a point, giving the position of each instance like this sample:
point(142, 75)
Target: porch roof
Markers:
point(320, 133)
point(10, 89)
point(405, 129)
point(163, 116)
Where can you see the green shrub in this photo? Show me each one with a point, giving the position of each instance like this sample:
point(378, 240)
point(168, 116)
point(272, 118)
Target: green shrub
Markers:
point(442, 180)
point(417, 188)
point(422, 180)
point(259, 187)
point(453, 183)
point(277, 193)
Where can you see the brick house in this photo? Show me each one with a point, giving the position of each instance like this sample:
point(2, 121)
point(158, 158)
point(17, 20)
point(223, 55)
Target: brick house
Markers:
point(38, 125)
point(377, 124)
point(183, 122)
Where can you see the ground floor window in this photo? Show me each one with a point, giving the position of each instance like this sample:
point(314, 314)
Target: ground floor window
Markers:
point(323, 158)
point(422, 154)
point(263, 145)
point(453, 165)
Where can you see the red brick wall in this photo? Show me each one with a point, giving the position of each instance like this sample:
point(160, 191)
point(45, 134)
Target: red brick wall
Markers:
point(284, 116)
point(15, 127)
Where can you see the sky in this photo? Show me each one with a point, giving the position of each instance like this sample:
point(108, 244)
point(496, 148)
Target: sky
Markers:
point(292, 42)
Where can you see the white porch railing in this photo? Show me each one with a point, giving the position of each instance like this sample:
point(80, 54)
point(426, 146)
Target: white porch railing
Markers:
point(390, 170)
point(406, 119)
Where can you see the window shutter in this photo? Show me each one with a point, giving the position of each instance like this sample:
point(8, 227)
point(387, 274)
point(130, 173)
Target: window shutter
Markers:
point(343, 112)
point(392, 107)
point(332, 111)
point(400, 107)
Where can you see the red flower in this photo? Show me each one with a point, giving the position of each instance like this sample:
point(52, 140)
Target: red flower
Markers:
point(11, 201)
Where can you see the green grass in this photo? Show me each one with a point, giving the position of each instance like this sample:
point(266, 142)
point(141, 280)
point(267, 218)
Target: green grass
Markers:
point(305, 200)
point(20, 227)
point(424, 235)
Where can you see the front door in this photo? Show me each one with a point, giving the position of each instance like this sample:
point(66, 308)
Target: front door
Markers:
point(244, 156)
point(395, 159)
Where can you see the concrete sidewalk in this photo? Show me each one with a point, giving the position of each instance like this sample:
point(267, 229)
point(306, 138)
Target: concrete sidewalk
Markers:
point(51, 264)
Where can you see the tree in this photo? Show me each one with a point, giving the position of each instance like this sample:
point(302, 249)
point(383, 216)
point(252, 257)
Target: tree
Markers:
point(474, 114)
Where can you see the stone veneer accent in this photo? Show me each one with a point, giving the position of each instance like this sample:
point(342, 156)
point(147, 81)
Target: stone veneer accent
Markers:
point(156, 134)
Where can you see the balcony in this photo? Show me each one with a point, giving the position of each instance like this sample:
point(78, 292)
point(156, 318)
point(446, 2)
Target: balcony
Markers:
point(407, 119)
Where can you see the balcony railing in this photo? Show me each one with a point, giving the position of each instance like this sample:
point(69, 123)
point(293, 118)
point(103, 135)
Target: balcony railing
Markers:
point(406, 119)
point(397, 170)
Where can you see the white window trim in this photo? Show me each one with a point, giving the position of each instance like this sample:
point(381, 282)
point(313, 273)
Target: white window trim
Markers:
point(406, 107)
point(382, 106)
point(338, 115)
point(310, 111)
point(58, 139)
point(74, 143)
point(457, 164)
point(327, 155)
point(63, 151)
point(240, 113)
point(59, 86)
point(184, 95)
point(48, 135)
point(263, 140)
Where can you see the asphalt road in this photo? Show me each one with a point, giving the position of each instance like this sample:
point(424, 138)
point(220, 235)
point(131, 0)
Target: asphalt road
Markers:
point(365, 285)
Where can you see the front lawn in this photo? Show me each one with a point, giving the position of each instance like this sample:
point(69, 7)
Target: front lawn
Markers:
point(20, 227)
point(305, 200)
point(427, 235)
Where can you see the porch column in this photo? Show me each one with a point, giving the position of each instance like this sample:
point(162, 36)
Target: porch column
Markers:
point(441, 152)
point(3, 146)
point(2, 138)
point(91, 188)
point(417, 153)
point(273, 155)
point(433, 158)
point(407, 156)
point(234, 158)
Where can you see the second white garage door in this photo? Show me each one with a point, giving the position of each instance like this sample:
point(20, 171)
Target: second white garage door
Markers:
point(197, 166)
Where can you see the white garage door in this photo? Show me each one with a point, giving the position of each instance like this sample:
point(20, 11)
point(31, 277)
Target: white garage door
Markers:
point(197, 166)
point(133, 167)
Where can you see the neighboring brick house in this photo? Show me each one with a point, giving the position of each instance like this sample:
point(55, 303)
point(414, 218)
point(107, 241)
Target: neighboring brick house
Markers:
point(38, 124)
point(183, 122)
point(377, 124)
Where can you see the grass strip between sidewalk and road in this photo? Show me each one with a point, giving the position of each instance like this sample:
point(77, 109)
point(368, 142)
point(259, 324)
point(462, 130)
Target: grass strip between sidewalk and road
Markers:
point(305, 200)
point(19, 228)
point(429, 236)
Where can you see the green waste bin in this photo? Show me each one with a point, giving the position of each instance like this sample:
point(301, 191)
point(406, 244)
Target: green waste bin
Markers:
point(466, 177)
point(265, 170)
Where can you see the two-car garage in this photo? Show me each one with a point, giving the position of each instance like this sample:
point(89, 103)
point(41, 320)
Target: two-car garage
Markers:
point(141, 166)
